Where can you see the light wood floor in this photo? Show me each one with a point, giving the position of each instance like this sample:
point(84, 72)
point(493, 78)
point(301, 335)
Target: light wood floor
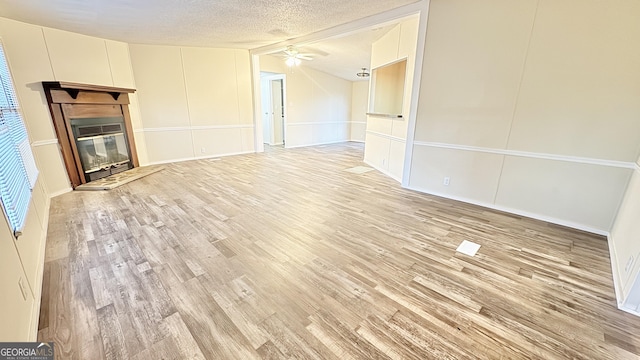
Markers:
point(284, 255)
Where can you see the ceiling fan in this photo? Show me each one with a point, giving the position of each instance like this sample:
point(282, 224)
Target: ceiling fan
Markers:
point(293, 57)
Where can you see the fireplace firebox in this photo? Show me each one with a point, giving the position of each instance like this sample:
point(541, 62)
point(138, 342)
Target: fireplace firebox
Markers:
point(102, 145)
point(94, 129)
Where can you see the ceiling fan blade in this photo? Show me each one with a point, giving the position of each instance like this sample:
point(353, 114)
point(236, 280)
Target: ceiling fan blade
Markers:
point(304, 57)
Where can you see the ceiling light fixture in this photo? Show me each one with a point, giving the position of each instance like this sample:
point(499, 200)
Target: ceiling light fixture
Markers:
point(364, 73)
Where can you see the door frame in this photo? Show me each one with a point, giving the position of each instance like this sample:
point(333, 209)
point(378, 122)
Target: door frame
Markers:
point(285, 111)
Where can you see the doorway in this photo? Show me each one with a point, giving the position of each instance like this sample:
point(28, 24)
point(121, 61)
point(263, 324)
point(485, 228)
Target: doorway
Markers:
point(273, 109)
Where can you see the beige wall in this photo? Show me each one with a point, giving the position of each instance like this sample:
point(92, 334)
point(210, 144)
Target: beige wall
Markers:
point(359, 106)
point(530, 106)
point(194, 102)
point(317, 107)
point(37, 54)
point(385, 138)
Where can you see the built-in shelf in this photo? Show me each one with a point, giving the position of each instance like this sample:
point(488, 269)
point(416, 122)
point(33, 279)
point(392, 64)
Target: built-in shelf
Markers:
point(393, 116)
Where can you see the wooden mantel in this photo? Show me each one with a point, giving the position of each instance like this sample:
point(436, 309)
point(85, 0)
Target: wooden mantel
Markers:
point(68, 100)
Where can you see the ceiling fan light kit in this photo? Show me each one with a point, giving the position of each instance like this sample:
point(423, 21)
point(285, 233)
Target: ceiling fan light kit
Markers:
point(293, 57)
point(292, 61)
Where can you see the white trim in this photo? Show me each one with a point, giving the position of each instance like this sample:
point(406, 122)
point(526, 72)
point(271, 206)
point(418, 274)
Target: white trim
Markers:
point(637, 166)
point(614, 271)
point(198, 158)
point(44, 142)
point(193, 128)
point(350, 28)
point(629, 311)
point(383, 171)
point(549, 219)
point(390, 62)
point(215, 127)
point(317, 123)
point(527, 154)
point(357, 141)
point(258, 136)
point(58, 193)
point(415, 92)
point(35, 314)
point(389, 117)
point(386, 136)
point(316, 144)
point(620, 301)
point(285, 109)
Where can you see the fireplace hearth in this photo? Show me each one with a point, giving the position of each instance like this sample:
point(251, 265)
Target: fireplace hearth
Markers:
point(94, 129)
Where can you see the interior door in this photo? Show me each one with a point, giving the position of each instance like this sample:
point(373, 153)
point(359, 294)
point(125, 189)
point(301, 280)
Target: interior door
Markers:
point(278, 112)
point(267, 113)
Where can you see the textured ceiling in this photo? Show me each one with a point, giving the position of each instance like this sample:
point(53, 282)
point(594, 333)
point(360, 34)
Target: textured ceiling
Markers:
point(344, 56)
point(211, 23)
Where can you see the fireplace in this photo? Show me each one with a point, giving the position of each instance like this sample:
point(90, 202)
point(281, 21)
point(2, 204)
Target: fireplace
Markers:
point(102, 145)
point(94, 129)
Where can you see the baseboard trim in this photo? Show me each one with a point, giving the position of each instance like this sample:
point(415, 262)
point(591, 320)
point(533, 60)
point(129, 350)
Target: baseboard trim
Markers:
point(614, 272)
point(316, 144)
point(383, 171)
point(549, 219)
point(197, 158)
point(61, 192)
point(37, 300)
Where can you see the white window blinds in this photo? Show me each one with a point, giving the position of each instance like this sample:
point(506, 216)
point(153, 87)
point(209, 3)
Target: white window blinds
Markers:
point(18, 173)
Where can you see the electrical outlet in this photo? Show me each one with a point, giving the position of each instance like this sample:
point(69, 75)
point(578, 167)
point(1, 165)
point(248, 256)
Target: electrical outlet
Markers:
point(203, 150)
point(445, 182)
point(629, 264)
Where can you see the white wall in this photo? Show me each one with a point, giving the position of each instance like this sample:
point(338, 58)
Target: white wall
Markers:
point(530, 106)
point(385, 138)
point(359, 106)
point(194, 102)
point(317, 107)
point(37, 54)
point(625, 240)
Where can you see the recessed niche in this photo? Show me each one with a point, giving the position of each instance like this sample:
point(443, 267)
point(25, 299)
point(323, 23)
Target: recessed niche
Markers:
point(387, 89)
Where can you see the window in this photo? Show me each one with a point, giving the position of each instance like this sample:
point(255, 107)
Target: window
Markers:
point(18, 172)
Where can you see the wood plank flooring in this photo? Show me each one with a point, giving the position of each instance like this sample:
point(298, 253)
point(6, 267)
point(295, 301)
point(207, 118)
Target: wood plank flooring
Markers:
point(284, 255)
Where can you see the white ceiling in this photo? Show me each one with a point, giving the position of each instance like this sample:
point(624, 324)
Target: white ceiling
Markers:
point(210, 23)
point(248, 24)
point(344, 56)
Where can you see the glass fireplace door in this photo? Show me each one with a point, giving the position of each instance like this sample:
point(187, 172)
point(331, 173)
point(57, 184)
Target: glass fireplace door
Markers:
point(102, 146)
